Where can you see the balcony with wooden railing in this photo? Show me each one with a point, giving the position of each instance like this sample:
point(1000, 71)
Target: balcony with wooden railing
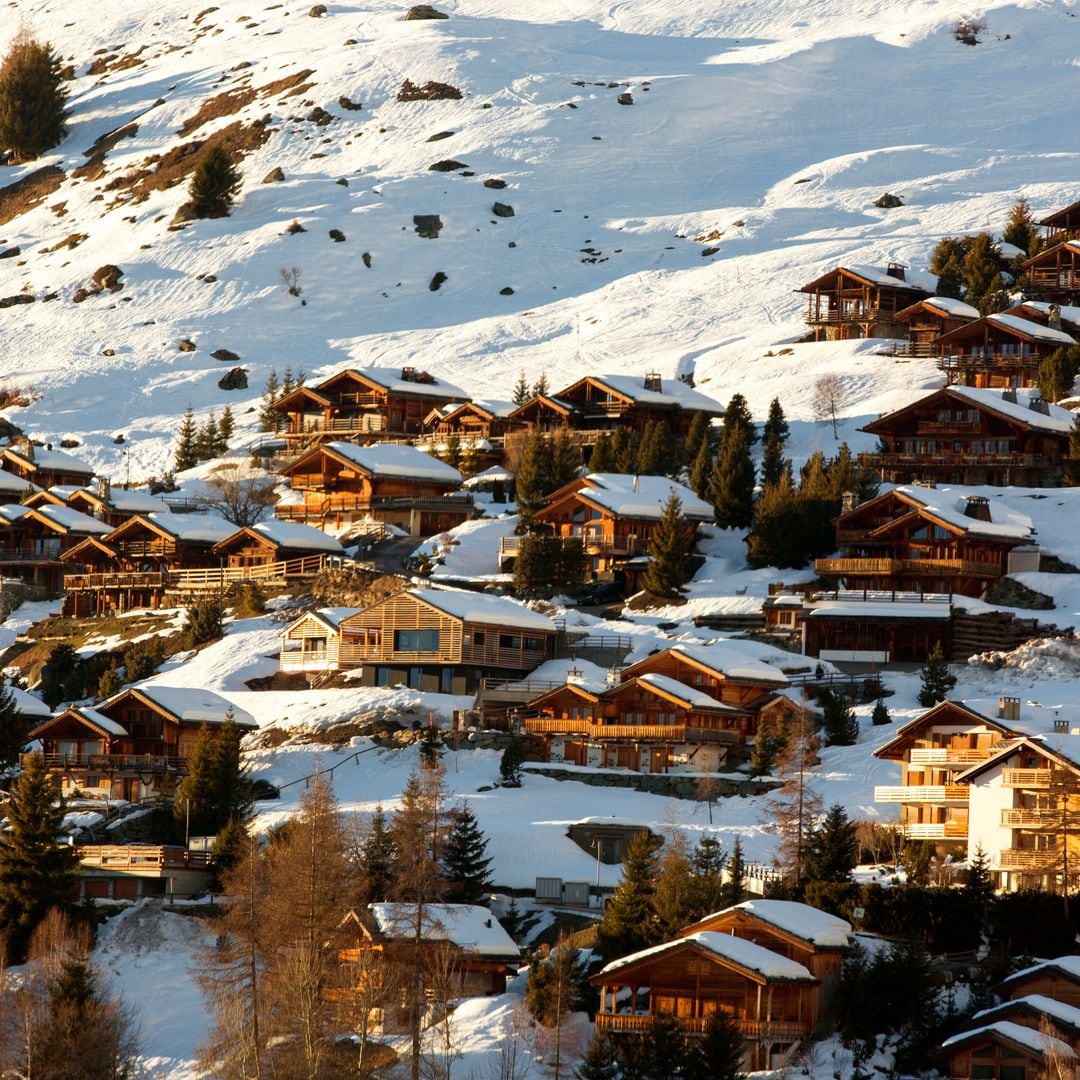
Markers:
point(199, 579)
point(948, 427)
point(593, 544)
point(114, 764)
point(1005, 358)
point(1054, 278)
point(835, 316)
point(765, 1030)
point(543, 725)
point(948, 755)
point(958, 461)
point(1024, 859)
point(922, 793)
point(859, 567)
point(1029, 819)
point(941, 830)
point(142, 857)
point(1031, 779)
point(546, 725)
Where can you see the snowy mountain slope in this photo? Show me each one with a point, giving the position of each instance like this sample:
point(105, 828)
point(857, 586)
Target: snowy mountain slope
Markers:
point(735, 105)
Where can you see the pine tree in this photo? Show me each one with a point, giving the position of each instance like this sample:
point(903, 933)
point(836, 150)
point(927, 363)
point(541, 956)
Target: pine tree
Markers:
point(61, 678)
point(658, 454)
point(772, 462)
point(776, 539)
point(701, 469)
point(110, 682)
point(12, 730)
point(214, 184)
point(377, 857)
point(625, 452)
point(738, 415)
point(731, 486)
point(937, 681)
point(269, 417)
point(699, 432)
point(719, 1054)
point(833, 850)
point(669, 550)
point(1056, 375)
point(451, 453)
point(534, 475)
point(193, 811)
point(206, 439)
point(513, 757)
point(540, 387)
point(880, 715)
point(768, 742)
point(776, 427)
point(708, 863)
point(600, 1061)
point(203, 625)
point(1021, 229)
point(839, 720)
point(36, 871)
point(675, 892)
point(947, 262)
point(32, 99)
point(226, 427)
point(950, 282)
point(982, 275)
point(512, 920)
point(629, 923)
point(521, 389)
point(186, 455)
point(735, 886)
point(465, 863)
point(602, 459)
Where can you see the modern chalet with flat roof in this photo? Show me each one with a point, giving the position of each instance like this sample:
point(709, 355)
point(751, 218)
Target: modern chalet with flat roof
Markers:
point(962, 435)
point(998, 351)
point(861, 302)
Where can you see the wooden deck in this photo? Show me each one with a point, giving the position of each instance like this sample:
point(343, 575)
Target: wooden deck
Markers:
point(773, 1031)
point(143, 857)
point(198, 580)
point(923, 793)
point(114, 764)
point(894, 567)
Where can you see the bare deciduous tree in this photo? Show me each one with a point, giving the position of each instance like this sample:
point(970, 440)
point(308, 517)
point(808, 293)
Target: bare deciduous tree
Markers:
point(291, 275)
point(240, 494)
point(829, 398)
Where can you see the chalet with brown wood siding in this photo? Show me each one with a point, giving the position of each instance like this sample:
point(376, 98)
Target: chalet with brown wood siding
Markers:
point(269, 542)
point(1061, 225)
point(1032, 1011)
point(478, 425)
point(112, 505)
point(1054, 274)
point(928, 319)
point(860, 302)
point(961, 435)
point(34, 540)
point(1058, 980)
point(998, 351)
point(1005, 1050)
point(44, 466)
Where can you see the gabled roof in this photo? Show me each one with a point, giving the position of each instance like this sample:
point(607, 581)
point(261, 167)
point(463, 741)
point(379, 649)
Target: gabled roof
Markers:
point(720, 660)
point(945, 306)
point(205, 529)
point(1011, 324)
point(26, 704)
point(1064, 967)
point(1062, 216)
point(10, 484)
point(1037, 1006)
point(48, 460)
point(122, 499)
point(1014, 1035)
point(755, 961)
point(484, 608)
point(946, 506)
point(1062, 748)
point(68, 520)
point(283, 403)
point(184, 704)
point(91, 543)
point(672, 690)
point(564, 408)
point(673, 393)
point(576, 689)
point(88, 717)
point(876, 277)
point(641, 497)
point(391, 379)
point(808, 925)
point(1072, 246)
point(471, 928)
point(384, 459)
point(288, 535)
point(902, 740)
point(330, 617)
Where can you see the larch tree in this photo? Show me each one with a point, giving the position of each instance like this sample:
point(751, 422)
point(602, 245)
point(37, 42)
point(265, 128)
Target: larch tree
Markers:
point(669, 550)
point(37, 872)
point(675, 895)
point(795, 807)
point(214, 185)
point(731, 486)
point(33, 100)
point(465, 862)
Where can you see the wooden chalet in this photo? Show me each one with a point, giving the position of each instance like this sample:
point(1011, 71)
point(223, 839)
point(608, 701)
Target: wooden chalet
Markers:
point(113, 505)
point(813, 938)
point(928, 540)
point(1047, 313)
point(135, 871)
point(1030, 1012)
point(362, 405)
point(14, 489)
point(478, 425)
point(963, 435)
point(860, 302)
point(1005, 1050)
point(43, 466)
point(33, 541)
point(1061, 225)
point(1054, 274)
point(613, 515)
point(775, 1001)
point(312, 643)
point(269, 542)
point(440, 640)
point(928, 319)
point(545, 413)
point(465, 952)
point(339, 483)
point(1057, 979)
point(133, 745)
point(998, 351)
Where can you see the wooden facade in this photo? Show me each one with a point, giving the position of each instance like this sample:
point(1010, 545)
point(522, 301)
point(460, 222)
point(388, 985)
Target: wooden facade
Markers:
point(338, 483)
point(1057, 979)
point(928, 320)
point(263, 544)
point(774, 1001)
point(998, 351)
point(44, 467)
point(1004, 1051)
point(34, 541)
point(473, 422)
point(866, 628)
point(957, 435)
point(1061, 225)
point(312, 643)
point(905, 540)
point(859, 302)
point(1054, 274)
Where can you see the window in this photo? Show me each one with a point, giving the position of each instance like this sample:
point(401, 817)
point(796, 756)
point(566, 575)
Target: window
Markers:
point(533, 643)
point(478, 637)
point(509, 641)
point(416, 640)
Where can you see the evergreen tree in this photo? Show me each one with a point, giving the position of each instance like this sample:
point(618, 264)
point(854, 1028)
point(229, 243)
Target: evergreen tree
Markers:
point(947, 262)
point(738, 415)
point(839, 720)
point(719, 1054)
point(226, 427)
point(61, 678)
point(735, 886)
point(12, 730)
point(708, 863)
point(699, 432)
point(186, 453)
point(269, 418)
point(602, 459)
point(540, 387)
point(430, 747)
point(1021, 230)
point(547, 565)
point(937, 681)
point(193, 811)
point(776, 537)
point(377, 857)
point(675, 890)
point(833, 850)
point(701, 469)
point(880, 715)
point(950, 282)
point(533, 481)
point(625, 452)
point(36, 871)
point(521, 389)
point(32, 99)
point(1072, 462)
point(110, 682)
point(629, 923)
point(451, 453)
point(512, 920)
point(206, 438)
point(230, 843)
point(768, 742)
point(231, 787)
point(465, 863)
point(776, 427)
point(600, 1061)
point(1057, 374)
point(658, 454)
point(773, 462)
point(669, 549)
point(203, 625)
point(214, 184)
point(731, 486)
point(982, 275)
point(565, 459)
point(513, 757)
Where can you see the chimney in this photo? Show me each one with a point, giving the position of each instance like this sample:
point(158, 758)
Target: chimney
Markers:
point(104, 489)
point(1009, 709)
point(1053, 317)
point(895, 270)
point(1009, 394)
point(653, 382)
point(847, 502)
point(1061, 727)
point(637, 485)
point(408, 374)
point(1036, 404)
point(978, 507)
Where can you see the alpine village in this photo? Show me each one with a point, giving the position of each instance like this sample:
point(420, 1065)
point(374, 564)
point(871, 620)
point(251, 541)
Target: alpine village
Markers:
point(595, 599)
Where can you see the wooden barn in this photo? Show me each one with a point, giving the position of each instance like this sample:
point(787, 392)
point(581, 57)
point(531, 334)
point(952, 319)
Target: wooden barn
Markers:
point(998, 351)
point(339, 483)
point(928, 319)
point(962, 435)
point(860, 302)
point(1054, 274)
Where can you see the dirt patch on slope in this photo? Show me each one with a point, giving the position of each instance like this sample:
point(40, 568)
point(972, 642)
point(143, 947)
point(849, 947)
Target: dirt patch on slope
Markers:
point(32, 189)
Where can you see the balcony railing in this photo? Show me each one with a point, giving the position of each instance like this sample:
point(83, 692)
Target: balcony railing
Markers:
point(942, 830)
point(114, 763)
point(948, 755)
point(1029, 819)
point(1028, 358)
point(1054, 279)
point(653, 732)
point(593, 545)
point(923, 793)
point(142, 857)
point(1032, 779)
point(544, 725)
point(774, 1031)
point(959, 461)
point(833, 316)
point(1019, 859)
point(943, 427)
point(200, 578)
point(305, 661)
point(892, 567)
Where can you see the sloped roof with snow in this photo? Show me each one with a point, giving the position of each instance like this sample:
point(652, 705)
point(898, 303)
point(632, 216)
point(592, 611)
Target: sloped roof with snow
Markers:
point(396, 459)
point(292, 534)
point(642, 496)
point(1055, 419)
point(817, 927)
point(732, 662)
point(471, 928)
point(485, 608)
point(132, 502)
point(192, 528)
point(11, 512)
point(16, 485)
point(390, 379)
point(957, 309)
point(1070, 313)
point(331, 617)
point(1039, 1004)
point(878, 609)
point(1031, 329)
point(744, 954)
point(51, 460)
point(71, 520)
point(694, 698)
point(948, 505)
point(496, 472)
point(1068, 966)
point(1028, 1038)
point(191, 704)
point(100, 720)
point(671, 392)
point(27, 704)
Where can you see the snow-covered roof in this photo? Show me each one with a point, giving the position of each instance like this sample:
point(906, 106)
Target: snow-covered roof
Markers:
point(818, 927)
point(917, 282)
point(948, 306)
point(99, 719)
point(732, 662)
point(396, 459)
point(671, 392)
point(52, 460)
point(131, 502)
point(471, 928)
point(27, 704)
point(1039, 1003)
point(483, 607)
point(1066, 965)
point(495, 406)
point(11, 512)
point(192, 704)
point(15, 485)
point(948, 504)
point(694, 698)
point(1029, 1038)
point(1009, 251)
point(332, 616)
point(1069, 312)
point(72, 520)
point(1031, 329)
point(878, 609)
point(390, 379)
point(642, 496)
point(292, 534)
point(745, 954)
point(488, 476)
point(192, 528)
point(1055, 419)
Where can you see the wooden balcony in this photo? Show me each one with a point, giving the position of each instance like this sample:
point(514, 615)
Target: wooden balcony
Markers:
point(923, 793)
point(991, 358)
point(114, 764)
point(199, 579)
point(772, 1031)
point(948, 755)
point(297, 660)
point(1029, 819)
point(119, 580)
point(1022, 859)
point(860, 567)
point(942, 830)
point(831, 316)
point(510, 546)
point(1053, 278)
point(927, 462)
point(948, 427)
point(1030, 779)
point(544, 725)
point(141, 857)
point(632, 732)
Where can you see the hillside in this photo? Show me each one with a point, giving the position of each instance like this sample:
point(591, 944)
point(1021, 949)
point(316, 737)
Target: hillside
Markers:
point(769, 128)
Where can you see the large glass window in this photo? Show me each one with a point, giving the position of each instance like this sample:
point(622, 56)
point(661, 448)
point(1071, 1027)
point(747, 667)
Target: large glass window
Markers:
point(416, 640)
